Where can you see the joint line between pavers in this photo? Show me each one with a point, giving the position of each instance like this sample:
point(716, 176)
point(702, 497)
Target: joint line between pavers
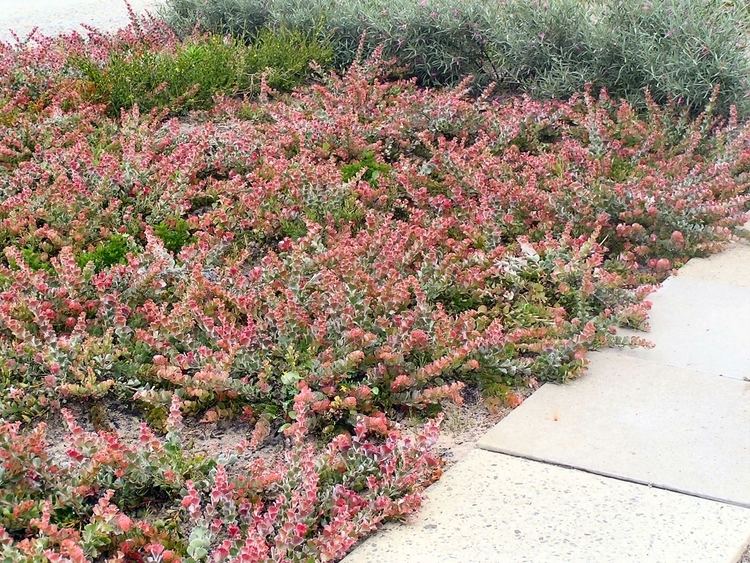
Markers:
point(625, 352)
point(611, 476)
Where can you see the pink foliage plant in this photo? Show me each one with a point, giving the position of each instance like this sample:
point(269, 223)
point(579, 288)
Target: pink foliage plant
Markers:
point(315, 265)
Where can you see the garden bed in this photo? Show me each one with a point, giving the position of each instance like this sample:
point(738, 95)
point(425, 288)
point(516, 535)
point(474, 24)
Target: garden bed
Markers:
point(308, 266)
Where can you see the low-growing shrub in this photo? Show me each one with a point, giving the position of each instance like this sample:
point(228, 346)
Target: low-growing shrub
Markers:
point(366, 167)
point(241, 18)
point(550, 50)
point(103, 498)
point(184, 78)
point(679, 49)
point(286, 55)
point(107, 253)
point(174, 233)
point(189, 75)
point(310, 266)
point(383, 243)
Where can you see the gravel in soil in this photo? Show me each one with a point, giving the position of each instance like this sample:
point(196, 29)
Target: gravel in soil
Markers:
point(462, 427)
point(217, 440)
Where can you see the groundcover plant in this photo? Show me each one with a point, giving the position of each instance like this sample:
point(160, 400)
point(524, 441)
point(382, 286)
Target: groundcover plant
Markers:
point(313, 266)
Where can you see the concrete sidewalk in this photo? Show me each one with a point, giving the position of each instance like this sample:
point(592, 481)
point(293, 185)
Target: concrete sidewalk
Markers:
point(645, 458)
point(56, 16)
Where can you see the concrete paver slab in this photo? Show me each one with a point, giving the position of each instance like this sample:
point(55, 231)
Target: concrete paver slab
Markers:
point(731, 267)
point(640, 421)
point(496, 508)
point(699, 325)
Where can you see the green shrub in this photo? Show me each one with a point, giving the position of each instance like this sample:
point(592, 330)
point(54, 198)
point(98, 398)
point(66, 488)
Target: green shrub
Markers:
point(107, 253)
point(186, 78)
point(35, 260)
point(286, 56)
point(174, 233)
point(367, 162)
point(678, 49)
point(190, 75)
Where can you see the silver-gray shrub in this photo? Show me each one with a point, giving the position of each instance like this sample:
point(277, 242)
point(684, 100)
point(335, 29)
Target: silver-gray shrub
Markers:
point(678, 49)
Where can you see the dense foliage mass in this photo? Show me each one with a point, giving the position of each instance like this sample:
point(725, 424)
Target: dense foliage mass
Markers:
point(157, 502)
point(188, 75)
point(679, 49)
point(314, 264)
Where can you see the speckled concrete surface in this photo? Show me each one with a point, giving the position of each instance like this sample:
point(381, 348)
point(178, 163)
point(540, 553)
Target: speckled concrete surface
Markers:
point(731, 267)
point(641, 421)
point(700, 325)
point(55, 16)
point(496, 508)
